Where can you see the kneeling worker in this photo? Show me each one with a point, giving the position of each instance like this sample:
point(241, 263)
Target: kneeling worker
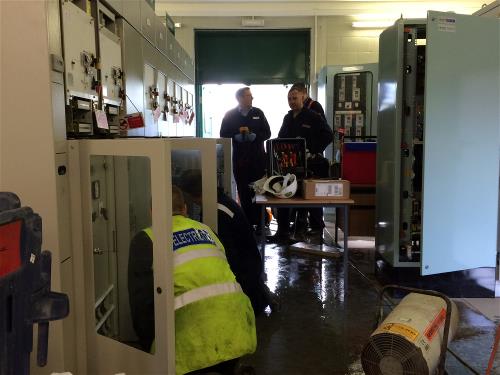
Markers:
point(214, 320)
point(237, 237)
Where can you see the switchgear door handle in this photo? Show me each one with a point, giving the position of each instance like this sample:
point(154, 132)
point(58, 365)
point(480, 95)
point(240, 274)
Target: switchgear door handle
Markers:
point(98, 251)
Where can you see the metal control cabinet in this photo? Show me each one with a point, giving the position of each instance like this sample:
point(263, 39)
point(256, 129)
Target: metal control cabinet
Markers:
point(80, 68)
point(126, 186)
point(111, 67)
point(349, 97)
point(438, 151)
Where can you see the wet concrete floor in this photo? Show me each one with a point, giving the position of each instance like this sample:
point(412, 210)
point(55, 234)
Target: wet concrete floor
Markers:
point(321, 328)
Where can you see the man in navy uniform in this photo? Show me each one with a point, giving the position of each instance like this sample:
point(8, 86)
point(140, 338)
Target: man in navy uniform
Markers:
point(248, 128)
point(309, 103)
point(301, 122)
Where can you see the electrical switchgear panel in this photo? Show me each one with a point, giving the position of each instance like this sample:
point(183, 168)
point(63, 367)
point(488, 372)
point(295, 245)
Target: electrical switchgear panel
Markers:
point(437, 143)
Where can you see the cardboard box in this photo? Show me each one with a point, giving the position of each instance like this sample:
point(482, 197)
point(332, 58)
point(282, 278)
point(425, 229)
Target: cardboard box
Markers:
point(326, 189)
point(362, 213)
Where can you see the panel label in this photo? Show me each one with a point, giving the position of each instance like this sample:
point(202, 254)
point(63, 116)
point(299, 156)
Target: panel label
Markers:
point(448, 25)
point(329, 190)
point(101, 119)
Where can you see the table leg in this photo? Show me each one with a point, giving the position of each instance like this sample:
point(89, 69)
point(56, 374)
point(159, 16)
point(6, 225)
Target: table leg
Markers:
point(346, 247)
point(263, 234)
point(336, 238)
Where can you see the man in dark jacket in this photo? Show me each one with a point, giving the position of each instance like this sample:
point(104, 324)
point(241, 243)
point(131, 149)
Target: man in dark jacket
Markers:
point(301, 122)
point(309, 103)
point(248, 128)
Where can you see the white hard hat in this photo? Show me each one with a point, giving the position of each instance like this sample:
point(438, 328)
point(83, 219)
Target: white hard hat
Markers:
point(281, 186)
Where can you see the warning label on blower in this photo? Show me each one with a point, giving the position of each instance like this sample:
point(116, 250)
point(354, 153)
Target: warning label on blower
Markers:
point(435, 325)
point(402, 329)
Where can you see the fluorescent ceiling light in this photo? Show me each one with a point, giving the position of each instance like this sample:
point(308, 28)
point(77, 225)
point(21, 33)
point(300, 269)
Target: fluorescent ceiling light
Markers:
point(372, 24)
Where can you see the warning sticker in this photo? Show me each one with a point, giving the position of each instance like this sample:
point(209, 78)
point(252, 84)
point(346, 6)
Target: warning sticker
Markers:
point(401, 329)
point(435, 325)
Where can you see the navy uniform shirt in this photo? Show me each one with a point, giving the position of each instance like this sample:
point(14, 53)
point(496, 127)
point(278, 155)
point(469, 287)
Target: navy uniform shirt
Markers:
point(249, 154)
point(310, 126)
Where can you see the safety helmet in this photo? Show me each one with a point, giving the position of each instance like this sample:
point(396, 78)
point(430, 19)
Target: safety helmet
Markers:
point(281, 186)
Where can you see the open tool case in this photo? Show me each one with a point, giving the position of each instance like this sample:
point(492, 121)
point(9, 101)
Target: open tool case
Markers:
point(286, 155)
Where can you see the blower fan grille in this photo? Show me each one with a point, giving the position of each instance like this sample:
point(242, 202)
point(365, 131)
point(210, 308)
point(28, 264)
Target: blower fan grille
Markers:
point(413, 338)
point(391, 354)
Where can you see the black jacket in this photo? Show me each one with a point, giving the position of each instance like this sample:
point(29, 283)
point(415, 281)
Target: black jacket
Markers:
point(242, 252)
point(310, 126)
point(315, 106)
point(247, 154)
point(140, 289)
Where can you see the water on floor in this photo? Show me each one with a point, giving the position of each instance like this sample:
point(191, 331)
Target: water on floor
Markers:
point(321, 327)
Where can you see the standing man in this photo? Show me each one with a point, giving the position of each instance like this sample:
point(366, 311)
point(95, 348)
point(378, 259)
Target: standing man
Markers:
point(309, 103)
point(248, 128)
point(301, 122)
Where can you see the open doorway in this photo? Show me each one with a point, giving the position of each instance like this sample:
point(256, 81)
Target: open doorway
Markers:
point(217, 99)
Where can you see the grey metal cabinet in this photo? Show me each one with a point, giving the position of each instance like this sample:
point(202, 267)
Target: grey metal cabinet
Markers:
point(148, 22)
point(438, 143)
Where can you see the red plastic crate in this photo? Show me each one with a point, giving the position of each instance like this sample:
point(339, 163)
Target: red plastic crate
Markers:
point(359, 162)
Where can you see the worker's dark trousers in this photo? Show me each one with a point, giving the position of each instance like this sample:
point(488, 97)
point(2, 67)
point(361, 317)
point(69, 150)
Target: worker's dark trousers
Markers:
point(285, 215)
point(247, 196)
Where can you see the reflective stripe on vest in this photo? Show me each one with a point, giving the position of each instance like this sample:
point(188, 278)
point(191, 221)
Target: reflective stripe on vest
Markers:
point(225, 209)
point(206, 292)
point(195, 254)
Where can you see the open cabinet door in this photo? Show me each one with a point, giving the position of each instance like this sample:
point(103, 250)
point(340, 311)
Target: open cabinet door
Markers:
point(461, 143)
point(125, 188)
point(390, 89)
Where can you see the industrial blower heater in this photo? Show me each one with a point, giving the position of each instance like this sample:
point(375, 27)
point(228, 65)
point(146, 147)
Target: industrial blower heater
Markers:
point(414, 337)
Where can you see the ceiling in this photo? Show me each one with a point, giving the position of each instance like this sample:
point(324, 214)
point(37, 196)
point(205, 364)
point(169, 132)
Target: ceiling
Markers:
point(275, 8)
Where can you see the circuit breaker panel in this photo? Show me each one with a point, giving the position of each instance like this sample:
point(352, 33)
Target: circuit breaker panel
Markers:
point(412, 137)
point(352, 103)
point(349, 97)
point(80, 69)
point(111, 68)
point(437, 178)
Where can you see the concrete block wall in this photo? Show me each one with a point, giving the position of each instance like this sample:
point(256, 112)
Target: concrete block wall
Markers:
point(333, 40)
point(339, 43)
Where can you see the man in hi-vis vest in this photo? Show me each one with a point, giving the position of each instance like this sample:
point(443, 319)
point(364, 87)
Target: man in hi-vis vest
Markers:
point(214, 320)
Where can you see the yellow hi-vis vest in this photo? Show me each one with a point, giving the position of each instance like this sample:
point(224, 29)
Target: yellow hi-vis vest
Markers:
point(214, 319)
